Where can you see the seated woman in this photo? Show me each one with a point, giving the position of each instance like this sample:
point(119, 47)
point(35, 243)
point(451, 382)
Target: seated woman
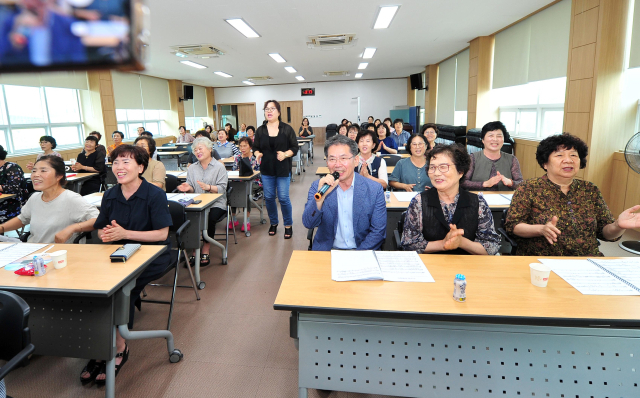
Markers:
point(245, 144)
point(447, 219)
point(47, 144)
point(90, 161)
point(241, 133)
point(225, 148)
point(491, 169)
point(47, 210)
point(410, 174)
point(11, 182)
point(342, 129)
point(100, 148)
point(369, 165)
point(184, 135)
point(117, 137)
point(207, 176)
point(251, 132)
point(133, 211)
point(305, 130)
point(192, 157)
point(559, 215)
point(387, 143)
point(430, 132)
point(155, 173)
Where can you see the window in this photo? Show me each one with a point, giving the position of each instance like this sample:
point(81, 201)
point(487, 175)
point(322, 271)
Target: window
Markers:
point(130, 119)
point(27, 113)
point(194, 124)
point(534, 110)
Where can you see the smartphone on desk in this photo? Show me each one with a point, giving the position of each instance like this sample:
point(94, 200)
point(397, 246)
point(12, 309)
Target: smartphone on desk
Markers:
point(196, 202)
point(124, 252)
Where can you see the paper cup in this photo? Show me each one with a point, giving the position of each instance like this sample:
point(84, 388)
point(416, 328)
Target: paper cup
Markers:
point(539, 274)
point(59, 259)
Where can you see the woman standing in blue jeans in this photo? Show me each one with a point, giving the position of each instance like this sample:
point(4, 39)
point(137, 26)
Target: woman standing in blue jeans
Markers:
point(274, 145)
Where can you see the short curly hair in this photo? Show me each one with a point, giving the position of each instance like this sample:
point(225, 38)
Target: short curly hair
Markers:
point(386, 129)
point(491, 126)
point(414, 137)
point(373, 135)
point(557, 142)
point(50, 139)
point(457, 153)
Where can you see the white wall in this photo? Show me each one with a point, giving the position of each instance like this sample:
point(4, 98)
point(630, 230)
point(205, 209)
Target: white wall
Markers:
point(332, 102)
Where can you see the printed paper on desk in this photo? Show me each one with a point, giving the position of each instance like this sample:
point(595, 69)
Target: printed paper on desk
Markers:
point(496, 200)
point(352, 265)
point(588, 278)
point(403, 267)
point(177, 196)
point(234, 173)
point(405, 196)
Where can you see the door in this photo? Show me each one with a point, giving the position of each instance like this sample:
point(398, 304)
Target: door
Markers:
point(291, 113)
point(247, 114)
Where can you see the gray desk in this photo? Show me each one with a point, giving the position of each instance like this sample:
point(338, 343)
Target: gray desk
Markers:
point(241, 197)
point(76, 181)
point(75, 310)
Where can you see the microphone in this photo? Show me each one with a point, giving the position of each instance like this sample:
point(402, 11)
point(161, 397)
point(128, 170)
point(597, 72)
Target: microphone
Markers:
point(326, 187)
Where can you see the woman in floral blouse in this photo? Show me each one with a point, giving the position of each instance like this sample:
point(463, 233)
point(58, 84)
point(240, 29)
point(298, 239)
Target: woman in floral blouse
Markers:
point(558, 215)
point(446, 219)
point(245, 144)
point(11, 182)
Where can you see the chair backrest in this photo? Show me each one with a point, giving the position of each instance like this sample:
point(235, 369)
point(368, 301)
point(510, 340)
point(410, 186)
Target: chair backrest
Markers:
point(178, 215)
point(391, 160)
point(14, 318)
point(170, 182)
point(403, 216)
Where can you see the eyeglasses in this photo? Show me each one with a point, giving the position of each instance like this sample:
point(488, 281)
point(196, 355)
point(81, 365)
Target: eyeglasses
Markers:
point(444, 167)
point(430, 132)
point(270, 109)
point(417, 144)
point(343, 160)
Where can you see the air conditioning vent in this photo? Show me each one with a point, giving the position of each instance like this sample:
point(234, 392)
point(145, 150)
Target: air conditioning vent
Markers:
point(259, 78)
point(336, 73)
point(332, 42)
point(198, 50)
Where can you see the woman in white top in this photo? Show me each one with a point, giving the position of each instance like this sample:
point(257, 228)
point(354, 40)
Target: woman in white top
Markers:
point(47, 144)
point(55, 214)
point(376, 167)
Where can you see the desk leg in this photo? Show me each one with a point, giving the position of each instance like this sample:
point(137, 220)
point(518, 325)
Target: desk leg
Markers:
point(214, 242)
point(247, 192)
point(200, 284)
point(78, 187)
point(110, 381)
point(302, 392)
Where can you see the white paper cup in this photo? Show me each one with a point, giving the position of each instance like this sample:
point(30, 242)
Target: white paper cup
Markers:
point(539, 274)
point(59, 259)
point(73, 161)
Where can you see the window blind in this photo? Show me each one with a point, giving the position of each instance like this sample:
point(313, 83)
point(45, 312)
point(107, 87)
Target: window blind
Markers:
point(126, 90)
point(446, 91)
point(155, 93)
point(634, 54)
point(462, 80)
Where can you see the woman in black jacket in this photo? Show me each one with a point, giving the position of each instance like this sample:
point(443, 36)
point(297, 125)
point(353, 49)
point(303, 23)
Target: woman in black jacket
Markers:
point(274, 145)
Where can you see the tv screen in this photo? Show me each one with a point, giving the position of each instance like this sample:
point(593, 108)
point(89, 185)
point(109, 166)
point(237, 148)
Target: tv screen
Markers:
point(39, 35)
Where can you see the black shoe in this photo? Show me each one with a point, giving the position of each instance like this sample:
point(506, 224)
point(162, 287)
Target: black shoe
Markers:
point(288, 232)
point(103, 370)
point(273, 229)
point(93, 368)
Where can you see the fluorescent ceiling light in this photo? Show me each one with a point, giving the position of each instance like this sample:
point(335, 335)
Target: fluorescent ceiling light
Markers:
point(242, 27)
point(368, 52)
point(277, 57)
point(181, 55)
point(358, 75)
point(385, 16)
point(247, 82)
point(363, 65)
point(219, 73)
point(193, 64)
point(300, 78)
point(290, 69)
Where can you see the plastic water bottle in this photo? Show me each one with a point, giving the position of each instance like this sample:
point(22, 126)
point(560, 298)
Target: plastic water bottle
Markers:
point(460, 288)
point(38, 266)
point(387, 196)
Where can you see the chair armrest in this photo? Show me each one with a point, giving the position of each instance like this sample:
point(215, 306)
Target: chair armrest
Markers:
point(397, 240)
point(182, 228)
point(82, 235)
point(16, 360)
point(506, 236)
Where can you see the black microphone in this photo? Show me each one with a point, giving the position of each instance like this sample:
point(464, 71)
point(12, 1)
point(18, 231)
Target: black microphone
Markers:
point(326, 187)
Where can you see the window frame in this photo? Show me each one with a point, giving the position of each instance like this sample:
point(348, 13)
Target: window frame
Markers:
point(47, 126)
point(137, 123)
point(540, 110)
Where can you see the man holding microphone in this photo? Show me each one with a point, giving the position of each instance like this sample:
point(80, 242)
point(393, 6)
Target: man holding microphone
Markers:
point(348, 209)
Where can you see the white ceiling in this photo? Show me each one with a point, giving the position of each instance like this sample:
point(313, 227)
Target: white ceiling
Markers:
point(423, 32)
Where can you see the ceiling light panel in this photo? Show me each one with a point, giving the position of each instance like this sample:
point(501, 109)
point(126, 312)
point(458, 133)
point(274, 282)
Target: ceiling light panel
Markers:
point(385, 16)
point(300, 78)
point(247, 82)
point(277, 57)
point(358, 75)
point(220, 73)
point(363, 65)
point(290, 69)
point(368, 53)
point(193, 64)
point(242, 27)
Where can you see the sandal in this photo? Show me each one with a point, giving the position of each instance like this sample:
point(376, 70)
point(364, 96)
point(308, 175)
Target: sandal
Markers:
point(93, 368)
point(273, 229)
point(288, 232)
point(103, 369)
point(204, 260)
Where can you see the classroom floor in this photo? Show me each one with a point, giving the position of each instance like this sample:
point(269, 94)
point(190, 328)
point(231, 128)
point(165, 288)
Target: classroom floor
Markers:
point(234, 343)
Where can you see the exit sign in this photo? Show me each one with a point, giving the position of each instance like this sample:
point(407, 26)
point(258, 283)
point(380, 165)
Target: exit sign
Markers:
point(308, 91)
